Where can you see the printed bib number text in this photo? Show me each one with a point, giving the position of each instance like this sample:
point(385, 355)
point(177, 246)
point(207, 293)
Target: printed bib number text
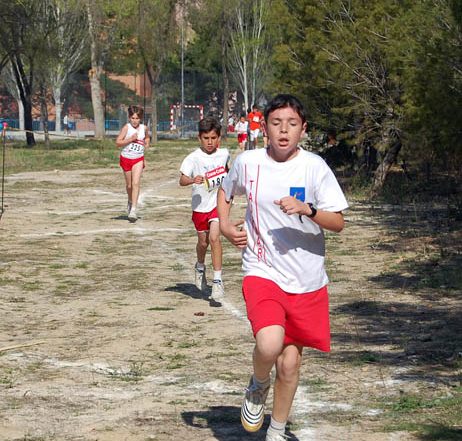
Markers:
point(137, 147)
point(214, 178)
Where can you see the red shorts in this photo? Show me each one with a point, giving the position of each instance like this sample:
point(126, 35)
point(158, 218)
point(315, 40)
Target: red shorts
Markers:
point(127, 164)
point(304, 317)
point(241, 137)
point(202, 220)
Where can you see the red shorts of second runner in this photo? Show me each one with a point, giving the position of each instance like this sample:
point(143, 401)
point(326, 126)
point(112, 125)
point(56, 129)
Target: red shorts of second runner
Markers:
point(304, 317)
point(241, 137)
point(127, 164)
point(202, 220)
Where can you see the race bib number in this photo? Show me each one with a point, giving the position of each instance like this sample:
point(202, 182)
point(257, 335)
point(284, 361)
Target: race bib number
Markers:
point(256, 119)
point(214, 178)
point(137, 146)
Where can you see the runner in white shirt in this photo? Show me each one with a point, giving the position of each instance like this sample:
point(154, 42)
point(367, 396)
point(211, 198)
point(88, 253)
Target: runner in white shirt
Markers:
point(241, 128)
point(205, 169)
point(133, 139)
point(292, 196)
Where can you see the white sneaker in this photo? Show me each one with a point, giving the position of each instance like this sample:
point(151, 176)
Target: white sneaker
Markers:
point(132, 217)
point(271, 436)
point(218, 290)
point(200, 279)
point(253, 407)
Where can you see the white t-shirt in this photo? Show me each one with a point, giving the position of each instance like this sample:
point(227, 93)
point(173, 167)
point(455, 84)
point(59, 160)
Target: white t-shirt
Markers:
point(134, 150)
point(241, 127)
point(213, 167)
point(289, 250)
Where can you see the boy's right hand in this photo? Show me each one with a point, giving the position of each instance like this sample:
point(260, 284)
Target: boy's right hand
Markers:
point(237, 236)
point(198, 179)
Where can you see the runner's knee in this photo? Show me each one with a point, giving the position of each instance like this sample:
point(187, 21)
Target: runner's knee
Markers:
point(214, 239)
point(288, 365)
point(202, 240)
point(269, 344)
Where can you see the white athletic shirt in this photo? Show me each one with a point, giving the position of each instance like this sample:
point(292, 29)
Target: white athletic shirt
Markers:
point(288, 250)
point(241, 127)
point(213, 168)
point(134, 150)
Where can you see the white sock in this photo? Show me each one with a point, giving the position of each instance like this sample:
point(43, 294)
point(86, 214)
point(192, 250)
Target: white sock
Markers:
point(217, 275)
point(261, 384)
point(276, 427)
point(200, 266)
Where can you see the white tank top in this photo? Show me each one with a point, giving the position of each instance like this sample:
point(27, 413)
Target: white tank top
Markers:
point(135, 149)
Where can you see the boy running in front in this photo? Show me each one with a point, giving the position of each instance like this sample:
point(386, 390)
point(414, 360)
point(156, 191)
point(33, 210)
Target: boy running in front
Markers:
point(292, 196)
point(205, 169)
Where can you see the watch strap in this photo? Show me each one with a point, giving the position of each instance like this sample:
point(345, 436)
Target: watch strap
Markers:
point(314, 211)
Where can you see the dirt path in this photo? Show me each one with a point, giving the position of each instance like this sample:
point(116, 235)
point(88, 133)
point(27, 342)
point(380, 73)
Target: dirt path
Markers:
point(125, 348)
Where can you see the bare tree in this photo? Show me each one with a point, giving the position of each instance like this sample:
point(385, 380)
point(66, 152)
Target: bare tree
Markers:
point(22, 41)
point(33, 37)
point(67, 44)
point(224, 65)
point(157, 38)
point(45, 59)
point(248, 46)
point(9, 81)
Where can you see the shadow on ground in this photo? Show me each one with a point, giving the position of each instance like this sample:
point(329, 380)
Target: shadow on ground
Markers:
point(441, 433)
point(188, 289)
point(426, 334)
point(192, 291)
point(435, 238)
point(224, 422)
point(418, 335)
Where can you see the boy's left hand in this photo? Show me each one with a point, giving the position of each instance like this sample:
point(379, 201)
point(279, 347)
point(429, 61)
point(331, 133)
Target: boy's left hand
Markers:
point(290, 205)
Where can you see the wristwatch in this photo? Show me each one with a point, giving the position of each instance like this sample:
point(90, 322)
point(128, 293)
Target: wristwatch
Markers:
point(313, 210)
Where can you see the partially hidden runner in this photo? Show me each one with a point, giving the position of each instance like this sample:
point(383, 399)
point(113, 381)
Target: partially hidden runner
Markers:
point(205, 169)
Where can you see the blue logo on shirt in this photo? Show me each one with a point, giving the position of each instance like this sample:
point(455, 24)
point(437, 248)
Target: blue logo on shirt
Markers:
point(298, 193)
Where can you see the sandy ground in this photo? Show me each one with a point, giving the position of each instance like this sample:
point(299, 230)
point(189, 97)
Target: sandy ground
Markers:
point(111, 340)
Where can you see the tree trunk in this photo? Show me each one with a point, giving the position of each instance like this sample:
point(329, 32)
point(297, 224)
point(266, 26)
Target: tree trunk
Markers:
point(98, 109)
point(12, 87)
point(28, 123)
point(44, 115)
point(153, 76)
point(389, 159)
point(58, 108)
point(24, 83)
point(225, 87)
point(21, 114)
point(154, 114)
point(94, 76)
point(245, 89)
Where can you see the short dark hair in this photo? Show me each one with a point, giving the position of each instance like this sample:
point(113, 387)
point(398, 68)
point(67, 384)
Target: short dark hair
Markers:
point(136, 109)
point(285, 100)
point(208, 124)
